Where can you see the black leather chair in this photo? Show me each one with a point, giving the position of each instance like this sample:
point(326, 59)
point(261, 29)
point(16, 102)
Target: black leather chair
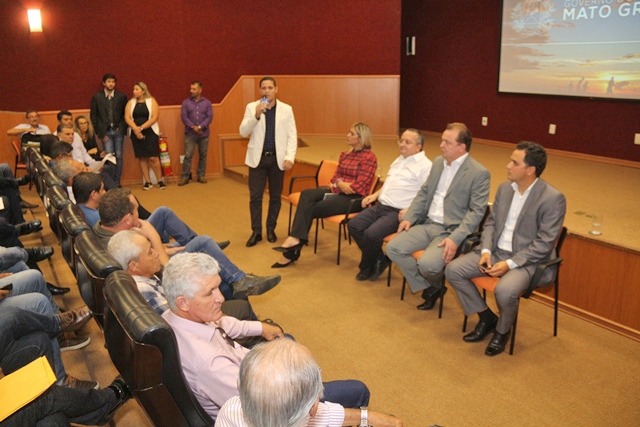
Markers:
point(57, 198)
point(143, 348)
point(41, 167)
point(72, 223)
point(94, 266)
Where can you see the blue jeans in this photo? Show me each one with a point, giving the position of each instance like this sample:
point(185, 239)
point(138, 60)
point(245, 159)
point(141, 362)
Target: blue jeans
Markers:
point(167, 224)
point(348, 393)
point(10, 257)
point(114, 145)
point(190, 142)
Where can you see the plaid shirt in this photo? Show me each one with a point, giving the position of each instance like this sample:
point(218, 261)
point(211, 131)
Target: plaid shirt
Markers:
point(357, 168)
point(152, 291)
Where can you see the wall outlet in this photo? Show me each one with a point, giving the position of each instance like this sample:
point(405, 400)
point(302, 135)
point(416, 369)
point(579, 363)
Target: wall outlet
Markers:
point(485, 121)
point(637, 139)
point(552, 129)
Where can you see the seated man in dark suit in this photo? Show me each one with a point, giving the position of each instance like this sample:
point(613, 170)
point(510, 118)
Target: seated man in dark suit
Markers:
point(525, 222)
point(448, 208)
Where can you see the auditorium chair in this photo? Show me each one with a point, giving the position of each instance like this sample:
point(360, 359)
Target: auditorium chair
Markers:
point(72, 223)
point(57, 198)
point(94, 266)
point(488, 283)
point(143, 348)
point(322, 178)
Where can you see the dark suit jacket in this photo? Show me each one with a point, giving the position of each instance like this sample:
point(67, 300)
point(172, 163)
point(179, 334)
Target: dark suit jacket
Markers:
point(538, 225)
point(99, 116)
point(464, 204)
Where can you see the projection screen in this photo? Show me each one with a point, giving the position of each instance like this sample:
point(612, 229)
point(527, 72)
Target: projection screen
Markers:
point(588, 48)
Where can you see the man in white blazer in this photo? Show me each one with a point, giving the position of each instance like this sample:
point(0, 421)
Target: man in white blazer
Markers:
point(271, 151)
point(525, 222)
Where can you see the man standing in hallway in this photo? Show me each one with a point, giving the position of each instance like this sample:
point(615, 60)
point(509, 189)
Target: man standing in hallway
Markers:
point(271, 152)
point(197, 115)
point(107, 116)
point(448, 207)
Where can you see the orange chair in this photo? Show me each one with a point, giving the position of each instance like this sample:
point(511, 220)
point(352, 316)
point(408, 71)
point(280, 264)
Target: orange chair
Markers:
point(488, 283)
point(343, 219)
point(325, 172)
point(18, 149)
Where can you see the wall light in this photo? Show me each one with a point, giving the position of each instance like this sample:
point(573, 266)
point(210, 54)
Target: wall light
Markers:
point(35, 20)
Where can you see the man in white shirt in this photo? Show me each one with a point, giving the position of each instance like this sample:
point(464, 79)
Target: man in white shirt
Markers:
point(448, 208)
point(406, 175)
point(32, 126)
point(525, 222)
point(280, 384)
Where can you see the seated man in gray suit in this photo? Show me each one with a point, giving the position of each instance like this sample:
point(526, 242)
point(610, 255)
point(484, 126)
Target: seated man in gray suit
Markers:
point(448, 208)
point(525, 222)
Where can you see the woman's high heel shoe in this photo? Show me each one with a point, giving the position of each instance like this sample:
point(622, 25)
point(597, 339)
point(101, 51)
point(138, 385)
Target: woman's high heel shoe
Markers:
point(290, 248)
point(291, 254)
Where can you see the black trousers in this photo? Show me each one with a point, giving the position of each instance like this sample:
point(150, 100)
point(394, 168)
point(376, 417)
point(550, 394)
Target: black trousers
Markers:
point(369, 228)
point(267, 170)
point(313, 205)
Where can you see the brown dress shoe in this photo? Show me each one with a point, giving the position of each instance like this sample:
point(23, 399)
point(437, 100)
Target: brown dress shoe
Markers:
point(183, 181)
point(74, 320)
point(202, 180)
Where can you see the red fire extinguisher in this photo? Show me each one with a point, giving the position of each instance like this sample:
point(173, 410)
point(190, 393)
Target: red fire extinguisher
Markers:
point(165, 161)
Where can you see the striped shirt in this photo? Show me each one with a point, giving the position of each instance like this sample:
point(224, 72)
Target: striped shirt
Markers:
point(328, 415)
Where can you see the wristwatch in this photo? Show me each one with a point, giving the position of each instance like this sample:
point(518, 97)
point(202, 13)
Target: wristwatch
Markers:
point(364, 416)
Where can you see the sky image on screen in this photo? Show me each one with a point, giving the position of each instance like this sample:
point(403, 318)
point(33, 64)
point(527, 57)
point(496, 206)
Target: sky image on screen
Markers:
point(587, 48)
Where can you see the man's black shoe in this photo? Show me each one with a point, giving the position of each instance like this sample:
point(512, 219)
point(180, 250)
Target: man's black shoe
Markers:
point(224, 244)
point(253, 285)
point(380, 267)
point(123, 393)
point(255, 238)
point(481, 331)
point(55, 290)
point(39, 253)
point(23, 180)
point(497, 344)
point(364, 275)
point(271, 236)
point(431, 297)
point(26, 205)
point(28, 227)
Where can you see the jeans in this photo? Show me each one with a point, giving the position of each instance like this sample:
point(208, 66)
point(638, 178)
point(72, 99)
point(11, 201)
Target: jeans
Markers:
point(114, 145)
point(13, 258)
point(25, 336)
point(30, 293)
point(348, 393)
point(167, 224)
point(190, 143)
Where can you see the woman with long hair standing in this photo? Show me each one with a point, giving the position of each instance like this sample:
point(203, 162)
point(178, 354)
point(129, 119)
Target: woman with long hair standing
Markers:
point(141, 114)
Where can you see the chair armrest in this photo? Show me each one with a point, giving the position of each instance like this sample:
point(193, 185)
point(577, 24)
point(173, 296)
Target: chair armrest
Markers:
point(352, 206)
point(469, 243)
point(295, 178)
point(540, 269)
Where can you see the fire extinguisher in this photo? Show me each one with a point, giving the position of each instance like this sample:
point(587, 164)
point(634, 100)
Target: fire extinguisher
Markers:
point(165, 161)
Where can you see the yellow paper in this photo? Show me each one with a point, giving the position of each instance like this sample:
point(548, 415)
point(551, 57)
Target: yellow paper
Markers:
point(24, 385)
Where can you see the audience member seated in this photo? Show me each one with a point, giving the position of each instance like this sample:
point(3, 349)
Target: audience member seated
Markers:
point(141, 260)
point(58, 151)
point(79, 153)
point(88, 188)
point(7, 180)
point(118, 211)
point(84, 128)
point(280, 384)
point(406, 175)
point(209, 355)
point(521, 231)
point(24, 337)
point(438, 224)
point(45, 145)
point(352, 180)
point(32, 126)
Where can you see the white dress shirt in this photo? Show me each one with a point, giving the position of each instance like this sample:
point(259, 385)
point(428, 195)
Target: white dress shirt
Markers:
point(405, 177)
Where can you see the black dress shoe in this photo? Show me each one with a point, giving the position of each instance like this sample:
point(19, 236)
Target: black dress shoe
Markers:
point(255, 238)
point(55, 290)
point(293, 248)
point(380, 267)
point(364, 275)
point(271, 236)
point(481, 331)
point(28, 227)
point(26, 205)
point(278, 265)
point(39, 253)
point(497, 344)
point(430, 298)
point(23, 180)
point(224, 244)
point(123, 393)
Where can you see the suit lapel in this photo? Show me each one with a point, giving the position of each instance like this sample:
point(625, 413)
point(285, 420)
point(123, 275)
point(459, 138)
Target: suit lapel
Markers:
point(458, 176)
point(532, 200)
